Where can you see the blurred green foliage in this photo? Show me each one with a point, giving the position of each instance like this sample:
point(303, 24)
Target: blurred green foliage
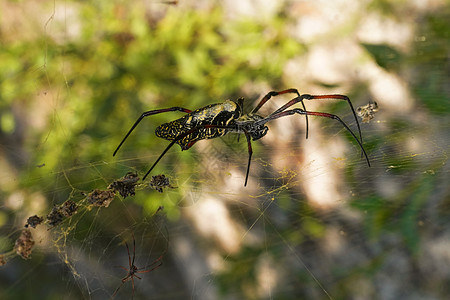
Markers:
point(425, 63)
point(401, 214)
point(121, 63)
point(91, 77)
point(386, 56)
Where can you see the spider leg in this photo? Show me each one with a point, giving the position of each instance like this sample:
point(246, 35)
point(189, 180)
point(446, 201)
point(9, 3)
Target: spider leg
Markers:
point(300, 98)
point(319, 114)
point(132, 287)
point(250, 152)
point(164, 152)
point(130, 263)
point(125, 279)
point(240, 102)
point(134, 251)
point(156, 261)
point(150, 113)
point(273, 94)
point(115, 292)
point(181, 136)
point(129, 257)
point(122, 268)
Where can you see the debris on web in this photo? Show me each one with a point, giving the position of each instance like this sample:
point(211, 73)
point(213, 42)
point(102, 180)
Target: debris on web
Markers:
point(367, 112)
point(60, 212)
point(100, 198)
point(24, 244)
point(55, 216)
point(34, 221)
point(69, 208)
point(158, 182)
point(125, 185)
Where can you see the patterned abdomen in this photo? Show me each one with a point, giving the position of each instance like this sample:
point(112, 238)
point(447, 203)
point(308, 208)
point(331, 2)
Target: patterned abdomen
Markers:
point(220, 114)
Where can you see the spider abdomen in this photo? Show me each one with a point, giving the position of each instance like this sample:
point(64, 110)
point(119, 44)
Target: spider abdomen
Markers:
point(220, 114)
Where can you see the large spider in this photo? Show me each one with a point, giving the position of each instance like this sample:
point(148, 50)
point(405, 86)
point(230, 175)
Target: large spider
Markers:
point(133, 270)
point(218, 119)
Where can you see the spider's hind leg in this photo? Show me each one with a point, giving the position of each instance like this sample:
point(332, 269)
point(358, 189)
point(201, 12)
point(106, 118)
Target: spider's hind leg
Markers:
point(150, 113)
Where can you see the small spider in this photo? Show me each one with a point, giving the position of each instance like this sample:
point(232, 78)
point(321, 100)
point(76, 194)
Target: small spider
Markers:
point(133, 270)
point(216, 120)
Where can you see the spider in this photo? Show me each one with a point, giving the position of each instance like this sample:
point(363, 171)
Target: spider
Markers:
point(133, 270)
point(216, 120)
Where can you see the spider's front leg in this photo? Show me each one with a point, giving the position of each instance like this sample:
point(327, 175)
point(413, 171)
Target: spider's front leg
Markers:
point(300, 98)
point(318, 114)
point(273, 94)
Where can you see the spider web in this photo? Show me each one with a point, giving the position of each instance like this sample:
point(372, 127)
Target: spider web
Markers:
point(314, 221)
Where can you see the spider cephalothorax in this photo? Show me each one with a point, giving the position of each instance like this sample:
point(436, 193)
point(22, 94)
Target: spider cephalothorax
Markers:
point(218, 119)
point(253, 124)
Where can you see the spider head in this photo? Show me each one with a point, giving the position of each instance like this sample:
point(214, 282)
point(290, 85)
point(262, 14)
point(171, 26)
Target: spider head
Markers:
point(258, 132)
point(249, 123)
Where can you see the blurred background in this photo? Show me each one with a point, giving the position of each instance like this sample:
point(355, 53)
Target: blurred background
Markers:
point(314, 222)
